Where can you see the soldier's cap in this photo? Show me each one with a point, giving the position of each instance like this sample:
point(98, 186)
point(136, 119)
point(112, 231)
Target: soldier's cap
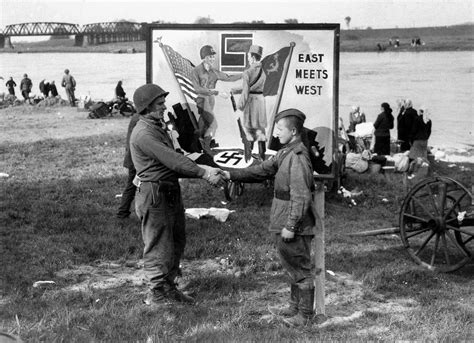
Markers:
point(256, 49)
point(291, 112)
point(206, 50)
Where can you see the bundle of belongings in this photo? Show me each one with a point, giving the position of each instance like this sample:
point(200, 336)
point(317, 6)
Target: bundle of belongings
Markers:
point(98, 110)
point(362, 162)
point(358, 162)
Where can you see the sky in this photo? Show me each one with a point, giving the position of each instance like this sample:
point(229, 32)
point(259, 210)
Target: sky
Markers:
point(363, 13)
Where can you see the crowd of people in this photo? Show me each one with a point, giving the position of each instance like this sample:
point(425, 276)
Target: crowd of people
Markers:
point(413, 129)
point(47, 89)
point(373, 141)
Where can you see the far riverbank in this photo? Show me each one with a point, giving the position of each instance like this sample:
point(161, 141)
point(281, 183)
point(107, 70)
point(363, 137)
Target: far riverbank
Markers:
point(447, 38)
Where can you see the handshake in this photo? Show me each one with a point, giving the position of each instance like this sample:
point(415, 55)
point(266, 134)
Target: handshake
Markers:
point(215, 176)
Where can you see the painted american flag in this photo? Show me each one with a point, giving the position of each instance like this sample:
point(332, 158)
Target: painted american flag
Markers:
point(182, 69)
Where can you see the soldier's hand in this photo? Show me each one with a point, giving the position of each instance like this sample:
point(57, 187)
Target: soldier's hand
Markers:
point(287, 235)
point(215, 177)
point(225, 174)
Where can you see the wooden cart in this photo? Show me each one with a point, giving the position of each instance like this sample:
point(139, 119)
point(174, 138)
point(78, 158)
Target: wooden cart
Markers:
point(436, 224)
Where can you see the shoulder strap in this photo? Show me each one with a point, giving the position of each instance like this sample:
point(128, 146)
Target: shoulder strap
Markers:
point(257, 78)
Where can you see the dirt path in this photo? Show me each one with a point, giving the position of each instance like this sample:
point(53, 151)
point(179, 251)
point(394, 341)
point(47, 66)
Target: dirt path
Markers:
point(345, 300)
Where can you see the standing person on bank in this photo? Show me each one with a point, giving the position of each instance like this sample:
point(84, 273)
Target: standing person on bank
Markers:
point(69, 83)
point(53, 89)
point(128, 193)
point(382, 125)
point(420, 133)
point(11, 86)
point(291, 218)
point(251, 101)
point(25, 87)
point(405, 121)
point(158, 201)
point(204, 78)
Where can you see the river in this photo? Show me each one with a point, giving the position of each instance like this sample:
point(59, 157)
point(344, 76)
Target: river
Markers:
point(441, 81)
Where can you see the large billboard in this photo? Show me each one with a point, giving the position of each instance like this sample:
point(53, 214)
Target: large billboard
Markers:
point(300, 64)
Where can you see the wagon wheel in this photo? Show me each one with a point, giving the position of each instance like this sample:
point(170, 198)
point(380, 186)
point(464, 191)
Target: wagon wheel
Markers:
point(430, 225)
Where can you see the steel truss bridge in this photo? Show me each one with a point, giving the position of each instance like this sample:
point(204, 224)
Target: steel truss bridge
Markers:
point(90, 34)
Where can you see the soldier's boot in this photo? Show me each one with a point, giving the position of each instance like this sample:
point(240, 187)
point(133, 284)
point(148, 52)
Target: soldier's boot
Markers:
point(175, 294)
point(306, 312)
point(293, 303)
point(261, 149)
point(157, 297)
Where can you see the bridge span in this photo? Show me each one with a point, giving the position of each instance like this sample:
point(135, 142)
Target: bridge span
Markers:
point(89, 34)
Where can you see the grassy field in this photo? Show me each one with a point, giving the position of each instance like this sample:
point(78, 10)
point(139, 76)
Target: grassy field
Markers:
point(446, 38)
point(57, 224)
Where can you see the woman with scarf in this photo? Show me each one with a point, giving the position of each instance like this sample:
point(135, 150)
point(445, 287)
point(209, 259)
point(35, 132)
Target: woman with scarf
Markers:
point(420, 133)
point(382, 126)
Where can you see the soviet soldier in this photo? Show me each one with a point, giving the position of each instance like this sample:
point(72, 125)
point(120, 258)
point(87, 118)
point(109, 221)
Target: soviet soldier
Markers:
point(292, 220)
point(251, 101)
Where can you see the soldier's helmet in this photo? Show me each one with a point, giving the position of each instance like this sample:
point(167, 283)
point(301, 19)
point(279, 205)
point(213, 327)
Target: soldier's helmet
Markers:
point(206, 50)
point(146, 94)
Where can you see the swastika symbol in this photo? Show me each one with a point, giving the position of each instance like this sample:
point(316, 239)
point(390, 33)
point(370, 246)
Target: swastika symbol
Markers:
point(226, 157)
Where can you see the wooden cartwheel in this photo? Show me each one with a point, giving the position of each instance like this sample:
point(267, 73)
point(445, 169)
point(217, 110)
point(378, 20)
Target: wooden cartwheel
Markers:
point(436, 224)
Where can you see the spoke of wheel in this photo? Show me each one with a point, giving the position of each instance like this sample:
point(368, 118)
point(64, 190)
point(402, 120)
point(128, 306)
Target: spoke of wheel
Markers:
point(458, 229)
point(423, 207)
point(456, 244)
point(424, 243)
point(415, 217)
point(417, 233)
point(434, 250)
point(453, 207)
point(445, 245)
point(432, 197)
point(467, 240)
point(451, 220)
point(442, 188)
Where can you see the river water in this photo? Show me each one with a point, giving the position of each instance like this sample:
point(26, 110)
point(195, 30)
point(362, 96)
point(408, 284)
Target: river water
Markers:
point(441, 81)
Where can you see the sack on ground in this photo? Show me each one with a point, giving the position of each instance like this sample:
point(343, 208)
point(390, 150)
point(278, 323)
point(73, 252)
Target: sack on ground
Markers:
point(98, 110)
point(402, 162)
point(356, 162)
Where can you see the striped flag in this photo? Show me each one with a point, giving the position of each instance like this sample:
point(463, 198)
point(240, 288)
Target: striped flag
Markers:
point(182, 69)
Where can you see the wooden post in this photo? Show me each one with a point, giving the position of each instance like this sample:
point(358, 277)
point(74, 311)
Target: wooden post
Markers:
point(318, 250)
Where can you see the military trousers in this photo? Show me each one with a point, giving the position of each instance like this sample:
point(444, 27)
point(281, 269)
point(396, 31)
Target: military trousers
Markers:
point(295, 257)
point(160, 209)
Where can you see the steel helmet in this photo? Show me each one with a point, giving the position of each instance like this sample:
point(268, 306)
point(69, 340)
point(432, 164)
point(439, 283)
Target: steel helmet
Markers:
point(146, 94)
point(206, 50)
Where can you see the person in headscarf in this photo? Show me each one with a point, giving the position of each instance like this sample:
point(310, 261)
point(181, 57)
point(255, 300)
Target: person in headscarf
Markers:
point(420, 134)
point(119, 92)
point(382, 126)
point(355, 117)
point(405, 121)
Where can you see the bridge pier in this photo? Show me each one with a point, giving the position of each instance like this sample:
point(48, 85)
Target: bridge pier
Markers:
point(5, 41)
point(79, 40)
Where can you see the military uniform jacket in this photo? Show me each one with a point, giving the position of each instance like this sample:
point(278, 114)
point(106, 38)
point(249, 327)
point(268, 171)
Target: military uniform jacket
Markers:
point(251, 101)
point(294, 183)
point(154, 156)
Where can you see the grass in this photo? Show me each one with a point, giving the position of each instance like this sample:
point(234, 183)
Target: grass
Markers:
point(57, 220)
